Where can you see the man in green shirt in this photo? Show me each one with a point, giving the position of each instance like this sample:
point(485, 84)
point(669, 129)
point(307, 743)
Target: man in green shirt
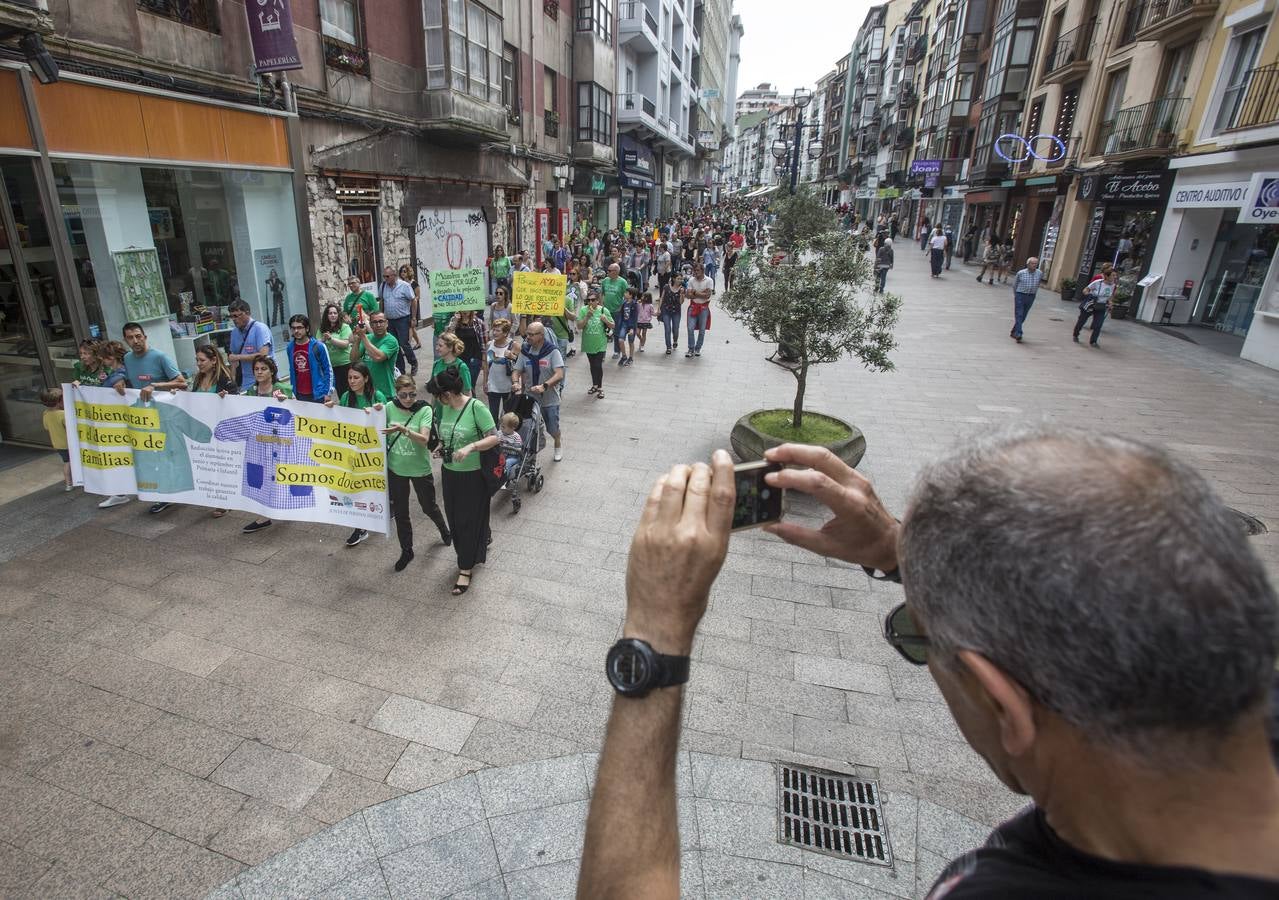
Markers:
point(379, 351)
point(613, 289)
point(358, 297)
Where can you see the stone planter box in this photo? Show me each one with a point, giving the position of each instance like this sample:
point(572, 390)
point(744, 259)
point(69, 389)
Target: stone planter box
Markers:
point(749, 443)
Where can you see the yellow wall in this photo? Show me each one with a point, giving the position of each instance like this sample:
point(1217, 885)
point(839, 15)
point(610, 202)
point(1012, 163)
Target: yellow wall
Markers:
point(1201, 105)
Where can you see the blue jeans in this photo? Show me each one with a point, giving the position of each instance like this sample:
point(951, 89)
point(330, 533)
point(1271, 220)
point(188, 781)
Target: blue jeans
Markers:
point(697, 323)
point(670, 326)
point(400, 328)
point(1021, 308)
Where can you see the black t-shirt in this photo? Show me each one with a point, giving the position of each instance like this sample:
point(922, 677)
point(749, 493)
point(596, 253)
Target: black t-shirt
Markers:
point(1024, 857)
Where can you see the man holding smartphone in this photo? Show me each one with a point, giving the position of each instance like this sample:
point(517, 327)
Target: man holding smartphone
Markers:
point(1123, 683)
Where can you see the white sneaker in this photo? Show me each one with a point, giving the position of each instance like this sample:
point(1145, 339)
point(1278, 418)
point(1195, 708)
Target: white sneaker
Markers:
point(559, 454)
point(114, 500)
point(68, 487)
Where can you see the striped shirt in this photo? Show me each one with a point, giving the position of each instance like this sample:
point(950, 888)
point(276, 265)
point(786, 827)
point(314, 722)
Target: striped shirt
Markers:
point(1027, 281)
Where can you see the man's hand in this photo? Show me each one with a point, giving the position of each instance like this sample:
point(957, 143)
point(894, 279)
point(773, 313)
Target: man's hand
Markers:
point(862, 532)
point(119, 388)
point(145, 394)
point(676, 553)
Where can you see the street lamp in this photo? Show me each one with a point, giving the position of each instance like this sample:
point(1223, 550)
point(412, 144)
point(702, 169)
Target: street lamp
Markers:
point(782, 147)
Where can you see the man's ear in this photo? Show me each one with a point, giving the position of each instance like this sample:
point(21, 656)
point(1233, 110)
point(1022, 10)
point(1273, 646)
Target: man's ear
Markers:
point(1009, 702)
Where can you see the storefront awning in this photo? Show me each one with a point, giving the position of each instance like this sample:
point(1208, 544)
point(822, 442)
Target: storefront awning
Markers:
point(762, 191)
point(635, 182)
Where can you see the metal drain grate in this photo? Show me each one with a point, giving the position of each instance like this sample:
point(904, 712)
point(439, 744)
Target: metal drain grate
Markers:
point(831, 813)
point(1251, 525)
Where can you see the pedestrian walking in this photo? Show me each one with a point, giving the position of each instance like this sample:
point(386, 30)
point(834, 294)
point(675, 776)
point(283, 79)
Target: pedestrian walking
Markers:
point(883, 262)
point(448, 350)
point(408, 461)
point(540, 370)
point(377, 351)
point(990, 260)
point(1025, 286)
point(950, 245)
point(595, 323)
point(937, 251)
point(397, 302)
point(249, 340)
point(1098, 300)
point(925, 234)
point(699, 290)
point(466, 429)
point(310, 370)
point(669, 311)
point(501, 355)
point(336, 336)
point(627, 326)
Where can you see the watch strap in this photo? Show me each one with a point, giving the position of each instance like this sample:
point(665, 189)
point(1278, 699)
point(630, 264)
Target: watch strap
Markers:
point(674, 670)
point(895, 575)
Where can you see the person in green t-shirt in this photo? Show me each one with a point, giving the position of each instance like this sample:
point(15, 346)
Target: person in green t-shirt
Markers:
point(378, 351)
point(594, 322)
point(613, 289)
point(88, 368)
point(466, 430)
point(360, 393)
point(408, 461)
point(366, 301)
point(336, 335)
point(448, 349)
point(500, 268)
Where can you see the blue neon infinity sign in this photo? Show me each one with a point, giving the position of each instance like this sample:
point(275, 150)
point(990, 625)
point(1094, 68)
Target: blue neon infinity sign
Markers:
point(1028, 147)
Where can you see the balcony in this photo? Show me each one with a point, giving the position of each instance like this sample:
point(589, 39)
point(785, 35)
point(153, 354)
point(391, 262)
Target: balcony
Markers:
point(676, 62)
point(637, 109)
point(1167, 20)
point(344, 56)
point(1260, 104)
point(915, 49)
point(968, 47)
point(637, 26)
point(1146, 130)
point(1069, 57)
point(906, 95)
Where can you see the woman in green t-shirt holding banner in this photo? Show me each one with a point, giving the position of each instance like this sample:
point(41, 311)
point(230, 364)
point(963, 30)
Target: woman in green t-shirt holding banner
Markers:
point(408, 461)
point(466, 429)
point(336, 336)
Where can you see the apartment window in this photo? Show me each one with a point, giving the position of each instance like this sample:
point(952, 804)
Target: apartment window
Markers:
point(550, 102)
point(596, 16)
point(510, 78)
point(1070, 103)
point(471, 59)
point(196, 13)
point(340, 19)
point(1241, 56)
point(594, 114)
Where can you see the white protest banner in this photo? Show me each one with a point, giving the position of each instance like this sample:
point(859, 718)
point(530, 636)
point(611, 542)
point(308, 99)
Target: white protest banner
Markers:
point(282, 460)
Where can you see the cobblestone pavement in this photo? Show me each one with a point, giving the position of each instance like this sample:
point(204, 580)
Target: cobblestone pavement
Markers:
point(181, 702)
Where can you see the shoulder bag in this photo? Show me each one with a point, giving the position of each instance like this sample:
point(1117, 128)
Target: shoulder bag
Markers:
point(492, 460)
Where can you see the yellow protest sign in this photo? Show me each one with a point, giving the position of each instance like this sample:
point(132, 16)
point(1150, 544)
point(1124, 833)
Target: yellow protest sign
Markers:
point(627, 226)
point(537, 294)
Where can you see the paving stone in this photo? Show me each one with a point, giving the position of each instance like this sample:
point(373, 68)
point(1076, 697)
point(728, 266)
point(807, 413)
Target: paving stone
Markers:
point(556, 679)
point(734, 878)
point(493, 889)
point(947, 832)
point(85, 837)
point(529, 786)
point(854, 743)
point(499, 744)
point(796, 591)
point(166, 866)
point(338, 698)
point(26, 801)
point(268, 676)
point(420, 767)
point(323, 860)
point(801, 639)
point(368, 884)
point(701, 742)
point(19, 870)
point(424, 723)
point(443, 865)
point(557, 881)
point(187, 653)
point(907, 716)
point(28, 743)
point(66, 883)
point(843, 674)
point(185, 745)
point(541, 836)
point(948, 759)
point(259, 830)
point(820, 886)
point(913, 683)
point(742, 829)
point(787, 696)
point(901, 812)
point(343, 794)
point(747, 657)
point(574, 720)
point(927, 872)
point(481, 697)
point(737, 780)
point(285, 779)
point(424, 816)
point(741, 721)
point(365, 752)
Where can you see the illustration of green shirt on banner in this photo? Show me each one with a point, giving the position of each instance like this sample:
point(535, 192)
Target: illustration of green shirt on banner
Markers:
point(161, 461)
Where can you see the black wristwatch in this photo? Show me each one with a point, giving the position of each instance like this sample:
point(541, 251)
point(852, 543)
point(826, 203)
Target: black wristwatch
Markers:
point(634, 668)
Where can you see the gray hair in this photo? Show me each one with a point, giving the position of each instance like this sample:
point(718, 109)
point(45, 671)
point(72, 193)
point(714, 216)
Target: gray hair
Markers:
point(1103, 576)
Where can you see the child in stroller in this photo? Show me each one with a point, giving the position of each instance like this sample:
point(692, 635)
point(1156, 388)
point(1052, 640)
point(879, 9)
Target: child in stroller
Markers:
point(532, 432)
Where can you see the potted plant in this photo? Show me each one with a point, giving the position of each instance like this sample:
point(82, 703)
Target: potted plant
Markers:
point(818, 305)
point(1068, 288)
point(1165, 135)
point(1121, 305)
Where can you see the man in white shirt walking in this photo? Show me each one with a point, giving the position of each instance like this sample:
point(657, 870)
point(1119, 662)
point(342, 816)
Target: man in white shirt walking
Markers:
point(1025, 286)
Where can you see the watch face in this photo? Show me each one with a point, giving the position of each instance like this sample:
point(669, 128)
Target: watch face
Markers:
point(629, 669)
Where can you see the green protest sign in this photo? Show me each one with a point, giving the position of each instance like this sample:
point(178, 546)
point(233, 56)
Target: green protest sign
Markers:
point(454, 290)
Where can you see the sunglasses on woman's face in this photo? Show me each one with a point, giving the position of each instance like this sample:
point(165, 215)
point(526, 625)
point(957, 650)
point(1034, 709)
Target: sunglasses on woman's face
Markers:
point(405, 394)
point(901, 631)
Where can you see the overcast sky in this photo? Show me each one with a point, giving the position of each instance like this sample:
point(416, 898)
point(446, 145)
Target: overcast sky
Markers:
point(792, 43)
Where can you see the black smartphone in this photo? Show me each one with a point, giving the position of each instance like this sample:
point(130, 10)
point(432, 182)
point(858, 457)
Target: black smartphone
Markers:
point(757, 503)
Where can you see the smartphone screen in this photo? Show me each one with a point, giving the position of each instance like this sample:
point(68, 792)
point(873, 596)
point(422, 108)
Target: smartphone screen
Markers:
point(757, 503)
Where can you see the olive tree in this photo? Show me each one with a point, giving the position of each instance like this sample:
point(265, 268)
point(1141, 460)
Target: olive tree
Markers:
point(818, 301)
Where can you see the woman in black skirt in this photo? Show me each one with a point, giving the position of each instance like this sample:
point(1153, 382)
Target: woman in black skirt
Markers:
point(466, 429)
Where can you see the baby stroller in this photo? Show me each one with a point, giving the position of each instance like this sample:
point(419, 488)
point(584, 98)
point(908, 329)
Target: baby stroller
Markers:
point(633, 279)
point(533, 434)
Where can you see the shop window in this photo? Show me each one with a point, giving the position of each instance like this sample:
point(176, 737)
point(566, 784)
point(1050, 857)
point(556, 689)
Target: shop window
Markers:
point(594, 114)
point(196, 13)
point(217, 235)
point(470, 60)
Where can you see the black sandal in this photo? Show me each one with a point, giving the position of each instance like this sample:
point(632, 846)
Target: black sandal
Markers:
point(458, 588)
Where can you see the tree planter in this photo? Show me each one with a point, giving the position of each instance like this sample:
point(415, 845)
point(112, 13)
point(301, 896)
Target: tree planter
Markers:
point(749, 443)
point(1068, 288)
point(1119, 311)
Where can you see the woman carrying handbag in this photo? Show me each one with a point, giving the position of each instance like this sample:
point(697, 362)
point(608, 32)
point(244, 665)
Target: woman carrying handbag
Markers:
point(1098, 297)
